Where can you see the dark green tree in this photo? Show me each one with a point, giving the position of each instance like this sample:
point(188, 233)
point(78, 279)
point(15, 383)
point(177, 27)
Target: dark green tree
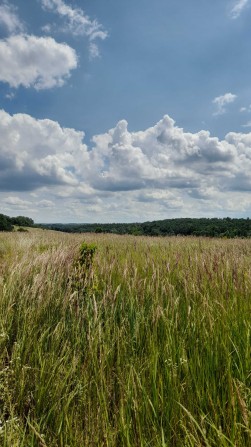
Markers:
point(5, 223)
point(22, 221)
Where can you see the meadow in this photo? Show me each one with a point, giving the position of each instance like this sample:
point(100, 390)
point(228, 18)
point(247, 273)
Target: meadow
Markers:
point(149, 345)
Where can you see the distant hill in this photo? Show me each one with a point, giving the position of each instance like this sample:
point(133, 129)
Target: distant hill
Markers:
point(214, 227)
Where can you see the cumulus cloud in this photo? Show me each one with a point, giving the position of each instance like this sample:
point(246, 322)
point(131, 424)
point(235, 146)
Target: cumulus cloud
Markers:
point(38, 62)
point(17, 202)
point(125, 174)
point(77, 23)
point(9, 18)
point(222, 101)
point(167, 199)
point(163, 156)
point(38, 153)
point(238, 8)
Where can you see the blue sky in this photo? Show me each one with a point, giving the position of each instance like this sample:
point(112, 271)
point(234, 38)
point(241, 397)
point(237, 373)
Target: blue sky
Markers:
point(125, 111)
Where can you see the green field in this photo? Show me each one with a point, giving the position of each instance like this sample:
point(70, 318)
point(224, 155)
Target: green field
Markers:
point(150, 346)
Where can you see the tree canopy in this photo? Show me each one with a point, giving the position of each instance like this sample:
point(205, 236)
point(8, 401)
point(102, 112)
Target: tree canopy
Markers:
point(22, 221)
point(6, 222)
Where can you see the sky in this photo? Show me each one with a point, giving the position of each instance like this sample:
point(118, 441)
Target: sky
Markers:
point(133, 111)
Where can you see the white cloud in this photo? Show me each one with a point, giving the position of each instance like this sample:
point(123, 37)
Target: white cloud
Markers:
point(47, 29)
point(38, 153)
point(17, 203)
point(245, 109)
point(167, 199)
point(124, 175)
point(248, 124)
point(222, 101)
point(238, 8)
point(38, 62)
point(9, 18)
point(77, 23)
point(94, 50)
point(10, 96)
point(163, 156)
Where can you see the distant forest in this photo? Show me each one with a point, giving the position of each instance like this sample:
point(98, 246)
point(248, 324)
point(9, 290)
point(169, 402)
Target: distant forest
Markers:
point(215, 227)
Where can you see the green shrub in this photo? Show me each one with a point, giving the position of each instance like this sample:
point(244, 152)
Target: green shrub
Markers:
point(86, 255)
point(81, 270)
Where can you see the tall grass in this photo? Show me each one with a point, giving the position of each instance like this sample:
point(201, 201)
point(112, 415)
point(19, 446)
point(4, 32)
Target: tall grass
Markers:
point(153, 351)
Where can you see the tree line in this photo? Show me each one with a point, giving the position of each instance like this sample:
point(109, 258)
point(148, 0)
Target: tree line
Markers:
point(211, 227)
point(7, 223)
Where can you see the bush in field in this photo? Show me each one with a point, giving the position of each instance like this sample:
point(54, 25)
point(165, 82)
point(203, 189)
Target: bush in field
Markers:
point(82, 266)
point(86, 255)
